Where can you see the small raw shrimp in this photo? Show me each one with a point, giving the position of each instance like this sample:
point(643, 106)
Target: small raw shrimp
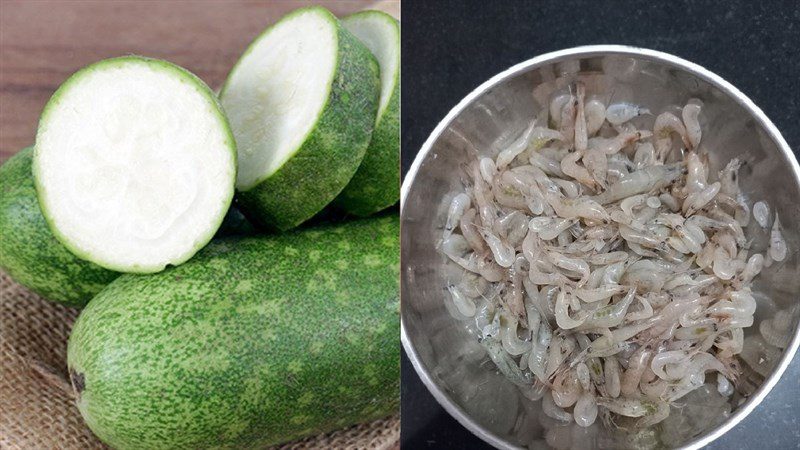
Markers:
point(690, 115)
point(724, 386)
point(472, 285)
point(640, 182)
point(627, 407)
point(532, 136)
point(552, 410)
point(464, 304)
point(512, 344)
point(556, 106)
point(595, 112)
point(568, 113)
point(761, 213)
point(669, 201)
point(572, 264)
point(570, 188)
point(645, 155)
point(483, 198)
point(507, 194)
point(488, 169)
point(609, 316)
point(458, 205)
point(582, 207)
point(752, 268)
point(514, 226)
point(570, 167)
point(549, 227)
point(777, 245)
point(604, 259)
point(563, 319)
point(697, 173)
point(611, 146)
point(741, 212)
point(657, 411)
point(470, 232)
point(600, 293)
point(566, 389)
point(645, 313)
point(549, 166)
point(697, 200)
point(581, 132)
point(619, 113)
point(729, 177)
point(612, 375)
point(666, 124)
point(633, 375)
point(661, 360)
point(585, 411)
point(596, 163)
point(637, 201)
point(502, 251)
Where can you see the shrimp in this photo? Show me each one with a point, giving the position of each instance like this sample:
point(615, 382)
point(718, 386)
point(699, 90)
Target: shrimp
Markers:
point(697, 173)
point(549, 227)
point(483, 198)
point(581, 207)
point(636, 365)
point(557, 104)
point(666, 124)
point(644, 156)
point(619, 113)
point(612, 375)
point(627, 407)
point(502, 251)
point(568, 113)
point(458, 205)
point(570, 167)
point(690, 115)
point(639, 182)
point(563, 319)
point(488, 169)
point(581, 132)
point(464, 304)
point(585, 411)
point(566, 389)
point(611, 146)
point(777, 245)
point(533, 135)
point(600, 293)
point(595, 112)
point(611, 315)
point(470, 232)
point(547, 165)
point(761, 214)
point(597, 164)
point(697, 200)
point(552, 410)
point(571, 264)
point(729, 177)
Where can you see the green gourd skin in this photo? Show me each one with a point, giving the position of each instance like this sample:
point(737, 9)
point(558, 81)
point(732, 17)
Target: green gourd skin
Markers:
point(332, 152)
point(253, 342)
point(376, 184)
point(30, 253)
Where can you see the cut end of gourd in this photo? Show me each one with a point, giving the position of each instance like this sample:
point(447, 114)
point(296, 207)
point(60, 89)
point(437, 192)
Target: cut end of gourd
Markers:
point(380, 33)
point(134, 164)
point(278, 90)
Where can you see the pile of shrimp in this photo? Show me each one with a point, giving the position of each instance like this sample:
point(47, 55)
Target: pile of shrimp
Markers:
point(606, 270)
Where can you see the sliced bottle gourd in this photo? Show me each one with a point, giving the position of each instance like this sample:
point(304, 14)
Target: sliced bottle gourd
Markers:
point(30, 253)
point(134, 164)
point(376, 184)
point(302, 102)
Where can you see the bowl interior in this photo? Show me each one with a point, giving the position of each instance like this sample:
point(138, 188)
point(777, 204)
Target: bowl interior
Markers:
point(447, 356)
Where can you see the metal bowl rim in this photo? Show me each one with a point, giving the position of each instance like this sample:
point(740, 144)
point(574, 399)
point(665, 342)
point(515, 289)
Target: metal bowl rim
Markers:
point(589, 51)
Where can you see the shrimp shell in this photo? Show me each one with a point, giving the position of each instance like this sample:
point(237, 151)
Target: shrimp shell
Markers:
point(761, 213)
point(619, 113)
point(690, 115)
point(777, 245)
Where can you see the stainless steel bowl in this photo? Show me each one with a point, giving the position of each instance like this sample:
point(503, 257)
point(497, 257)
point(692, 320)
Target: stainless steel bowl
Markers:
point(449, 361)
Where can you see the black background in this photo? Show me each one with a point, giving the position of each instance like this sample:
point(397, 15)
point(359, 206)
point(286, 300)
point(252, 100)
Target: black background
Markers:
point(450, 47)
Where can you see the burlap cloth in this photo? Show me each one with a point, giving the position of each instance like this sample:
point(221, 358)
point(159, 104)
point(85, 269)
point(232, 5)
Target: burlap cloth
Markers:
point(36, 410)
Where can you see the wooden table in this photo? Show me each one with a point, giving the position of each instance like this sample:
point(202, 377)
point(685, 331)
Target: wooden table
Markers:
point(44, 42)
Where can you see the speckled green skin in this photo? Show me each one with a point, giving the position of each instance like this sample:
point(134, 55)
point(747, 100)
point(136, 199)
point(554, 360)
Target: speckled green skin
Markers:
point(28, 250)
point(331, 153)
point(376, 184)
point(253, 342)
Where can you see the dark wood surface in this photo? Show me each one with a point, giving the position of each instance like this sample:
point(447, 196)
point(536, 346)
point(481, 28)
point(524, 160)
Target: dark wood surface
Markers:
point(44, 42)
